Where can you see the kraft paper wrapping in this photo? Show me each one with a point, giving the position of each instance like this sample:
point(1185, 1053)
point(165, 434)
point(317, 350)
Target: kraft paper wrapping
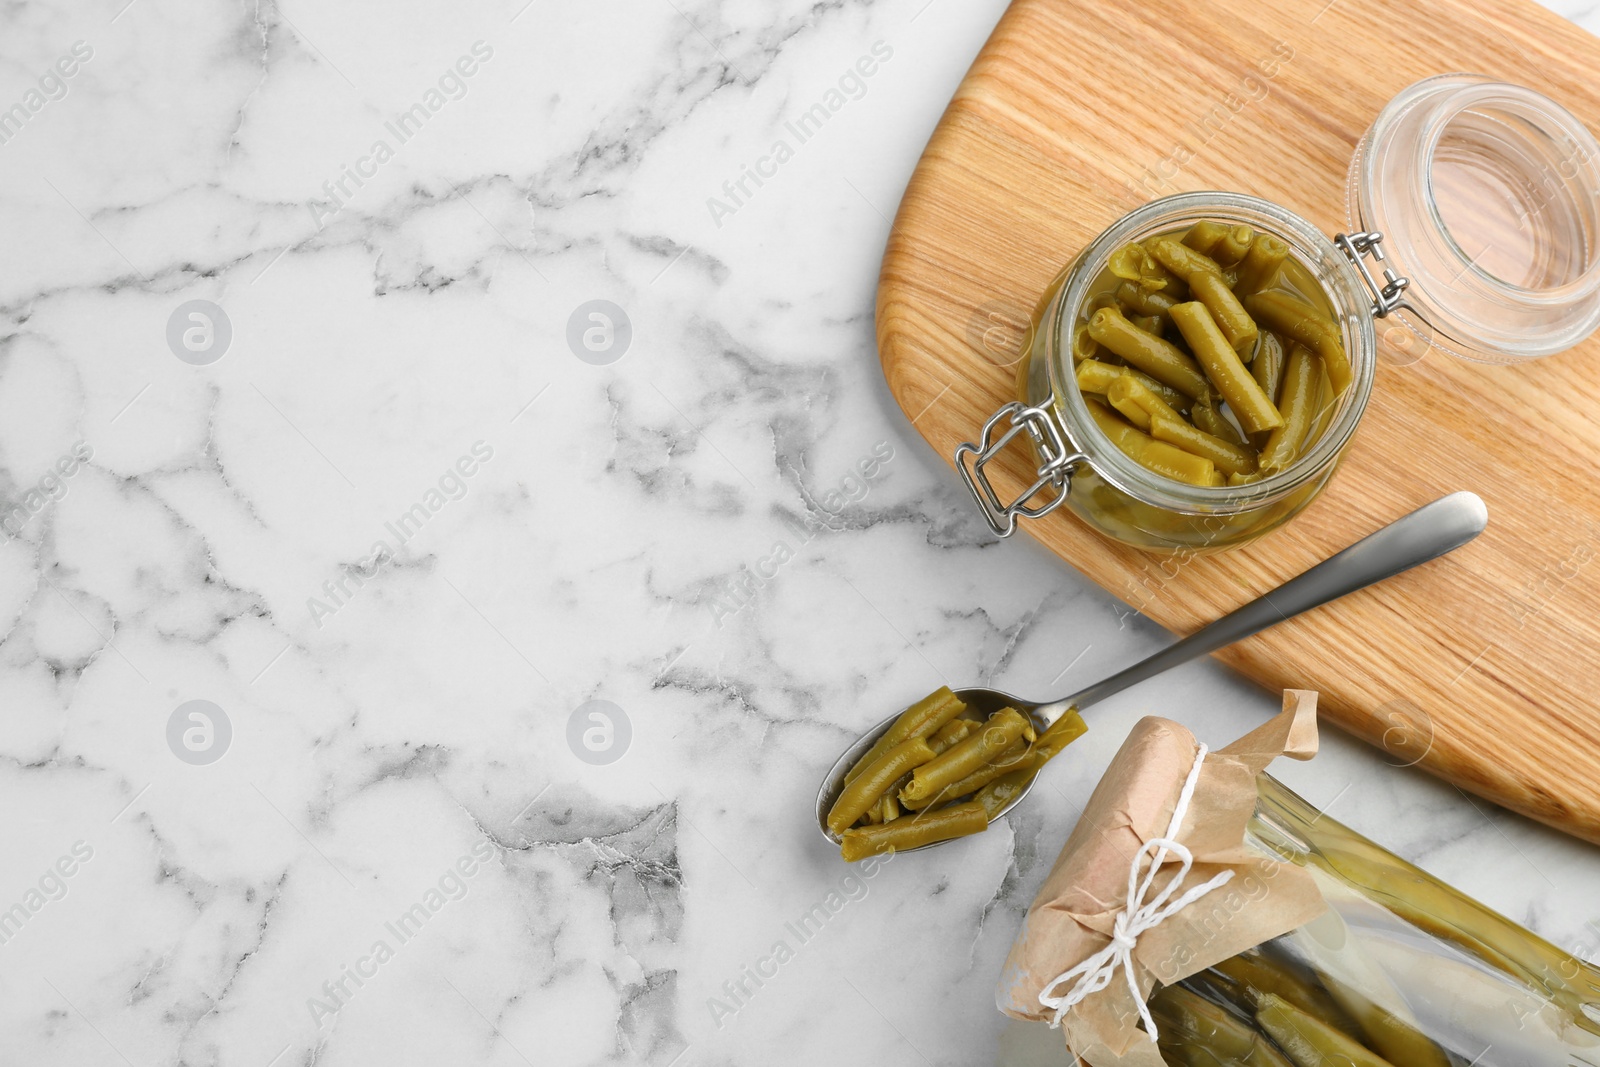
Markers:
point(1072, 917)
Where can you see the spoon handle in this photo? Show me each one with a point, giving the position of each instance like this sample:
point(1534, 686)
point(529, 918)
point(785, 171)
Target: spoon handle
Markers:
point(1427, 533)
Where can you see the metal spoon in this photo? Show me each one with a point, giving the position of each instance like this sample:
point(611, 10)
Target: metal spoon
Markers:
point(1427, 533)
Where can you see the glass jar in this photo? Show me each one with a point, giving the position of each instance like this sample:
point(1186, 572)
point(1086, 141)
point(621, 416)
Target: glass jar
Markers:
point(1400, 963)
point(1478, 204)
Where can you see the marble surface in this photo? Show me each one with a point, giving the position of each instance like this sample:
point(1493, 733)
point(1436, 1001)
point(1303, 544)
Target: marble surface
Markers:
point(400, 538)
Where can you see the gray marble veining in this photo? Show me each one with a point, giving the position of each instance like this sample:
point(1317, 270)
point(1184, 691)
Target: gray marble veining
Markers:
point(520, 636)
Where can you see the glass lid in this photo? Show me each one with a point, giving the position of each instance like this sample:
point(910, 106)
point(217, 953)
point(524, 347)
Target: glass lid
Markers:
point(1487, 196)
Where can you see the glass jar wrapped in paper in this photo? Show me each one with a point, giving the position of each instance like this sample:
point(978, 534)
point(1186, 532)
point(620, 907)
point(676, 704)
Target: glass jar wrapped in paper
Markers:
point(1203, 914)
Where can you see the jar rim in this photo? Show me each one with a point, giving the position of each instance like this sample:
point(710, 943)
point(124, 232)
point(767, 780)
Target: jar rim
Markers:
point(1352, 308)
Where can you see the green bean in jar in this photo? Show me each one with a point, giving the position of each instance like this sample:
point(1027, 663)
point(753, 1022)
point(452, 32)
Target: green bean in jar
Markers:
point(1164, 313)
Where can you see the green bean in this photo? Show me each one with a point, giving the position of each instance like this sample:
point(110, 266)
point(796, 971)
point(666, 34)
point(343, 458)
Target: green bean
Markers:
point(1209, 417)
point(993, 738)
point(1000, 792)
point(1387, 1032)
point(1227, 457)
point(1309, 1041)
point(1223, 368)
point(1137, 301)
point(1151, 324)
point(1454, 929)
point(1137, 404)
point(1204, 277)
point(1247, 353)
point(888, 805)
point(1260, 265)
point(1299, 321)
point(1061, 733)
point(1212, 992)
point(1128, 408)
point(1170, 461)
point(1302, 382)
point(1134, 263)
point(1164, 459)
point(1181, 260)
point(1267, 367)
point(1058, 735)
point(1124, 435)
point(1176, 288)
point(1252, 974)
point(1185, 1018)
point(1083, 346)
point(1129, 262)
point(951, 732)
point(958, 820)
point(1237, 325)
point(1160, 359)
point(1175, 399)
point(1447, 914)
point(1191, 1056)
point(1233, 246)
point(1379, 1009)
point(872, 783)
point(921, 719)
point(1095, 376)
point(1012, 759)
point(1203, 236)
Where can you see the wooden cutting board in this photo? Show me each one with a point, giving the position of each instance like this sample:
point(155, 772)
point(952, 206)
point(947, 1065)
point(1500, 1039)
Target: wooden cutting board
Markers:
point(1484, 667)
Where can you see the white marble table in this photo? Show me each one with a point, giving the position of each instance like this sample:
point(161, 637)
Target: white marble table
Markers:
point(375, 510)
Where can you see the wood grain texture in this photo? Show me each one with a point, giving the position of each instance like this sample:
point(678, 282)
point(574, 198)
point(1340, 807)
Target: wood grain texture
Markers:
point(1076, 112)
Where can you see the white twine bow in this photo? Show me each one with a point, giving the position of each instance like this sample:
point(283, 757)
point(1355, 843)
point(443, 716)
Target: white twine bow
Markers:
point(1096, 972)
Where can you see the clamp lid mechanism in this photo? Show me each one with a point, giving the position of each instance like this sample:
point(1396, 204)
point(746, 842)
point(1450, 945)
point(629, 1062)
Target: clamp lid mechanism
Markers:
point(1059, 461)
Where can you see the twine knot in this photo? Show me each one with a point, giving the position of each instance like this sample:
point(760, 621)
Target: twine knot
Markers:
point(1096, 972)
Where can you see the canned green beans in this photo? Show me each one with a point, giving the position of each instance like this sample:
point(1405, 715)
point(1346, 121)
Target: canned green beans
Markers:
point(1214, 354)
point(940, 772)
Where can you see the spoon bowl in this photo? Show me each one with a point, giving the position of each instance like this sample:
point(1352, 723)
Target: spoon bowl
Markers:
point(983, 701)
